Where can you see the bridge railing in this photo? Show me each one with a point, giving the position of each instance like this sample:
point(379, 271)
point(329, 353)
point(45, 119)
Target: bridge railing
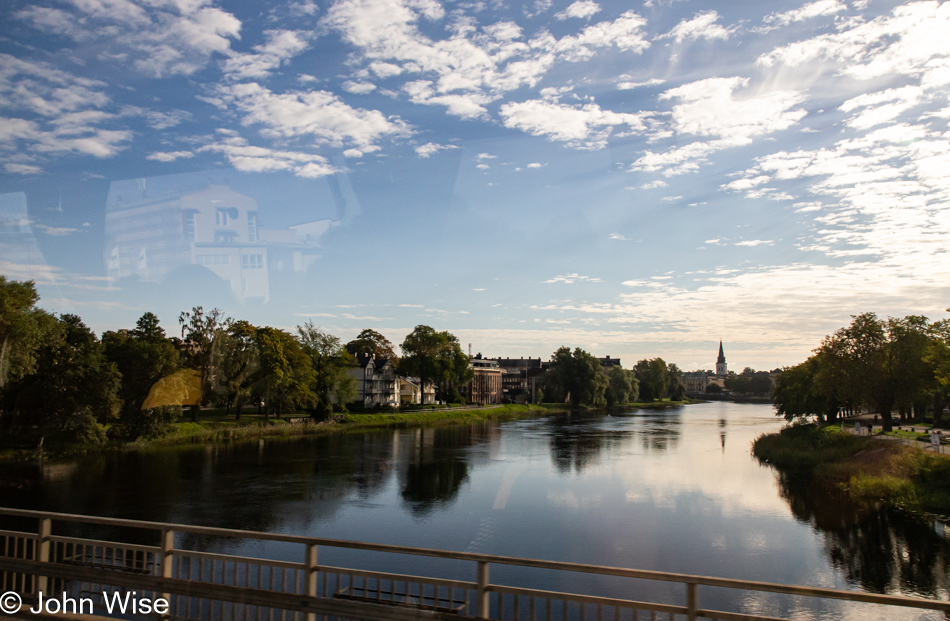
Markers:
point(204, 585)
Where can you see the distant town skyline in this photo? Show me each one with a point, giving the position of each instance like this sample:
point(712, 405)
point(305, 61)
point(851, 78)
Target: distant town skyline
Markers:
point(638, 180)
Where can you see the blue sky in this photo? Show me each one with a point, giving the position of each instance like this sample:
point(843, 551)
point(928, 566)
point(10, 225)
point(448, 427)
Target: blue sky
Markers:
point(637, 179)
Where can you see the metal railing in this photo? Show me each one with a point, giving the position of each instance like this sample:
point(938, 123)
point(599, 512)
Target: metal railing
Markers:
point(204, 585)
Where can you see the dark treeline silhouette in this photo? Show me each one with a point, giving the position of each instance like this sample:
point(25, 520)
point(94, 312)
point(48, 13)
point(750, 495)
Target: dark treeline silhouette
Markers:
point(897, 365)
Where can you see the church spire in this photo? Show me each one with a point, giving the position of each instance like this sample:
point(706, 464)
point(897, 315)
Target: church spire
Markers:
point(721, 368)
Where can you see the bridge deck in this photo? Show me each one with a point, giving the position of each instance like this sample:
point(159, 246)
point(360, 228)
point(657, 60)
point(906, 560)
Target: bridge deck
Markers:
point(203, 585)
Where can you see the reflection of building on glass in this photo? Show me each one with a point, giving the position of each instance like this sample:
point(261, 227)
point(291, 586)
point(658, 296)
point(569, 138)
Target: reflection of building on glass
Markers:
point(18, 246)
point(149, 236)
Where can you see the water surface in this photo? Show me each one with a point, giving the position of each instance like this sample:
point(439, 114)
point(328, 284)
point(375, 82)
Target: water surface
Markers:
point(672, 490)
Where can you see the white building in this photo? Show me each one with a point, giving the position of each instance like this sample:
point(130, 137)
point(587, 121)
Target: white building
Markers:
point(151, 234)
point(376, 381)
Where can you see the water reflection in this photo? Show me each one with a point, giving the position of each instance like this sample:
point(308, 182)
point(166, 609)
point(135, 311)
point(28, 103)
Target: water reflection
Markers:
point(656, 490)
point(578, 439)
point(882, 551)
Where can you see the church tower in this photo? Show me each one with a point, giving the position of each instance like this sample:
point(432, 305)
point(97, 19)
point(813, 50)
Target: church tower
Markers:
point(721, 361)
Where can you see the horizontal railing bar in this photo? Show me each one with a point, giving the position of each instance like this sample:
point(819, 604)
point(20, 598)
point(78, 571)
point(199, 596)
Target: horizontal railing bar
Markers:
point(460, 584)
point(366, 611)
point(729, 583)
point(238, 559)
point(589, 599)
point(18, 535)
point(719, 615)
point(107, 544)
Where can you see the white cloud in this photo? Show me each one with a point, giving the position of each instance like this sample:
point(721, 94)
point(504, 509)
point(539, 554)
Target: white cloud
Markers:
point(710, 108)
point(475, 65)
point(701, 26)
point(658, 183)
point(249, 158)
point(570, 279)
point(430, 148)
point(617, 236)
point(281, 46)
point(535, 165)
point(22, 169)
point(755, 242)
point(581, 9)
point(159, 38)
point(485, 156)
point(806, 11)
point(317, 114)
point(903, 42)
point(626, 86)
point(585, 126)
point(169, 156)
point(883, 106)
point(359, 88)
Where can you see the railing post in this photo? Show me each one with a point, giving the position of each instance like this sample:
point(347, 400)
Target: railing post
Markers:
point(691, 601)
point(310, 578)
point(168, 558)
point(43, 545)
point(482, 593)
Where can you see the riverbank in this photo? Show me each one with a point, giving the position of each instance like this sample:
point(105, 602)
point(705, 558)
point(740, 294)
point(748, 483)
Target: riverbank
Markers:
point(868, 469)
point(220, 428)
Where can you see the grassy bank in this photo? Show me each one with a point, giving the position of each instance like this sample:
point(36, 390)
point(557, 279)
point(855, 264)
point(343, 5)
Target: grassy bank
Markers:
point(216, 425)
point(214, 430)
point(867, 469)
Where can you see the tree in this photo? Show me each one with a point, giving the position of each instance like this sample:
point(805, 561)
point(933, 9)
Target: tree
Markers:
point(795, 394)
point(577, 375)
point(71, 394)
point(372, 342)
point(654, 378)
point(330, 362)
point(676, 390)
point(911, 375)
point(200, 330)
point(235, 359)
point(142, 356)
point(22, 327)
point(435, 358)
point(286, 373)
point(622, 386)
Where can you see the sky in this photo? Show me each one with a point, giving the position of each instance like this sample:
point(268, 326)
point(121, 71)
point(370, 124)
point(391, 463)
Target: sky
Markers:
point(638, 179)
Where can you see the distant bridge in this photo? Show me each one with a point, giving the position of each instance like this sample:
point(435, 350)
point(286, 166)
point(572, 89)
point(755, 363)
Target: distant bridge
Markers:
point(210, 586)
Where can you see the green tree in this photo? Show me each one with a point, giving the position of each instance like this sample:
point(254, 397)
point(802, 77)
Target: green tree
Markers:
point(22, 327)
point(676, 390)
point(286, 373)
point(654, 378)
point(435, 358)
point(577, 375)
point(330, 361)
point(71, 394)
point(622, 386)
point(796, 393)
point(911, 374)
point(372, 342)
point(200, 329)
point(235, 359)
point(142, 356)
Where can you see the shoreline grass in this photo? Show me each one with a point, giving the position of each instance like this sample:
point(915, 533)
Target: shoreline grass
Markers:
point(216, 426)
point(867, 469)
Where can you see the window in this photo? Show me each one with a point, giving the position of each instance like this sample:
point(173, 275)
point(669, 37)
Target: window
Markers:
point(252, 261)
point(252, 227)
point(221, 217)
point(213, 259)
point(191, 227)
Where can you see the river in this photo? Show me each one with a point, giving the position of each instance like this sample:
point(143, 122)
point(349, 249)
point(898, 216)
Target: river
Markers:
point(672, 490)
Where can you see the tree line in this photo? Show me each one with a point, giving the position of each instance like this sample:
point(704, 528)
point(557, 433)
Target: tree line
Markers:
point(578, 376)
point(897, 365)
point(62, 385)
